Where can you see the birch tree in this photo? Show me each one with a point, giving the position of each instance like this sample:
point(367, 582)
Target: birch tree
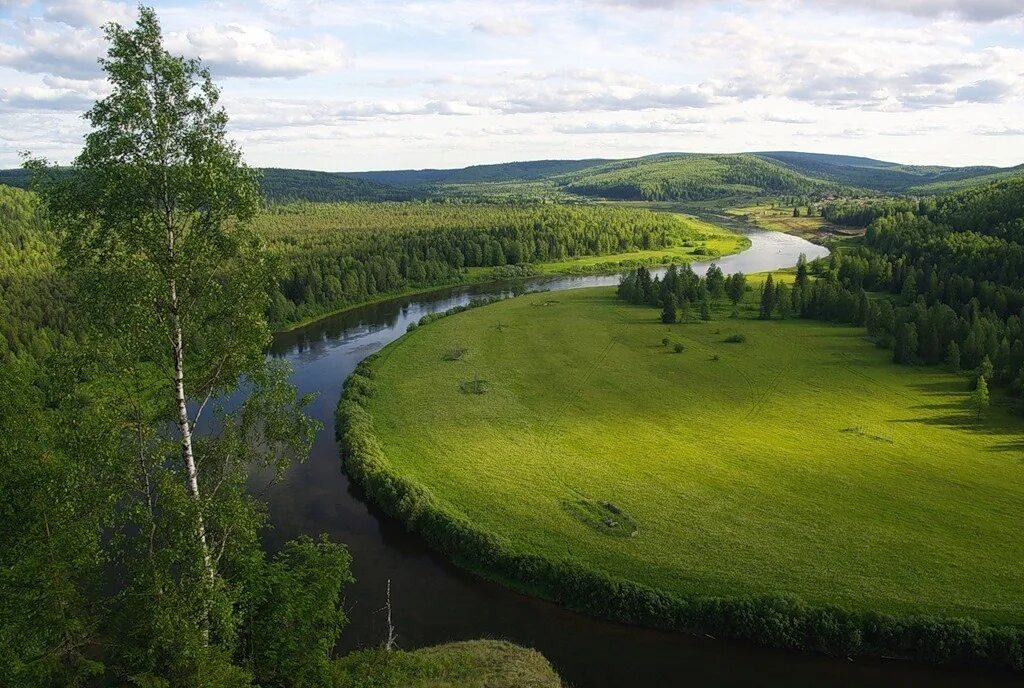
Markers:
point(171, 287)
point(153, 218)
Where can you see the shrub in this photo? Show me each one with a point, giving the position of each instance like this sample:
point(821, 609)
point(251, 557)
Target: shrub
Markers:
point(678, 348)
point(737, 338)
point(454, 354)
point(474, 386)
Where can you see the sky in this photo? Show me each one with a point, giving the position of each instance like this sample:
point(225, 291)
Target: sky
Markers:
point(392, 84)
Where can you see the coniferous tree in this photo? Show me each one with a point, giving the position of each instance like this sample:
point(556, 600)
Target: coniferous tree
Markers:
point(767, 298)
point(705, 309)
point(905, 346)
point(669, 311)
point(952, 358)
point(980, 396)
point(801, 271)
point(715, 280)
point(783, 301)
point(736, 286)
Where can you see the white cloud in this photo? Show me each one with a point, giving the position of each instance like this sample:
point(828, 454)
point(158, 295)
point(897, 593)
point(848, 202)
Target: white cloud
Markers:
point(344, 86)
point(503, 26)
point(49, 49)
point(971, 10)
point(649, 127)
point(248, 51)
point(87, 14)
point(56, 94)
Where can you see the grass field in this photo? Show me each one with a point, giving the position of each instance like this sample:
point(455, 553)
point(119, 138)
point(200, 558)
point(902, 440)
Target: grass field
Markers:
point(780, 219)
point(800, 461)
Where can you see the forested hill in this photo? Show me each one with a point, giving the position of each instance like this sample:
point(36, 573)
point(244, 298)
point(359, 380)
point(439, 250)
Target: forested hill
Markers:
point(693, 177)
point(890, 177)
point(532, 170)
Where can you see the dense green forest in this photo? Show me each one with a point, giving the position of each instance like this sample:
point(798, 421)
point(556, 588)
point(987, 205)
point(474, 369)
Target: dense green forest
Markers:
point(328, 256)
point(861, 213)
point(32, 304)
point(336, 255)
point(280, 185)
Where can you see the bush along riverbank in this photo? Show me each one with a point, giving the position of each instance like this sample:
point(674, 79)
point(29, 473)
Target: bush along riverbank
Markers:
point(781, 621)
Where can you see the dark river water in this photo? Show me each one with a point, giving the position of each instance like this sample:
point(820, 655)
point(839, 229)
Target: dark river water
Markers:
point(435, 602)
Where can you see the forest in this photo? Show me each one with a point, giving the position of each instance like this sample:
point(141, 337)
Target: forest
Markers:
point(329, 256)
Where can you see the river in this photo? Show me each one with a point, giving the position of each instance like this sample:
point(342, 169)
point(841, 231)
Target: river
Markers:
point(435, 602)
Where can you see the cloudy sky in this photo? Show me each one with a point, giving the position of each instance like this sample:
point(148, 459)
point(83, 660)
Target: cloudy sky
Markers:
point(381, 84)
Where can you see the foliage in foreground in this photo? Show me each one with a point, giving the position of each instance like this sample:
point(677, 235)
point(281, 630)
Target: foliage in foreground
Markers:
point(471, 664)
point(131, 551)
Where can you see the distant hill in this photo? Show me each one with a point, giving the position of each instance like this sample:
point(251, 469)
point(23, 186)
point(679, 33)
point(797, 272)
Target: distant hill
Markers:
point(889, 177)
point(693, 177)
point(18, 178)
point(281, 185)
point(955, 183)
point(532, 170)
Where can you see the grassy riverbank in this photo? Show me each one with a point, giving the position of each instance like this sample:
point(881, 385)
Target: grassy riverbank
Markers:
point(798, 462)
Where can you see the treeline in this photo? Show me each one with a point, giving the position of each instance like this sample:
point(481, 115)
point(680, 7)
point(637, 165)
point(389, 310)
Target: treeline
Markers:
point(336, 255)
point(862, 213)
point(681, 293)
point(283, 185)
point(776, 620)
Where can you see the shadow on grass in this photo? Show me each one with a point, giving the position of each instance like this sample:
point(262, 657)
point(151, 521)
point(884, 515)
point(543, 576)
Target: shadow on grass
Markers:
point(956, 414)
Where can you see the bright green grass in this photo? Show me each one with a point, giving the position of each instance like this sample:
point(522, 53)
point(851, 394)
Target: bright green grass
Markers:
point(801, 461)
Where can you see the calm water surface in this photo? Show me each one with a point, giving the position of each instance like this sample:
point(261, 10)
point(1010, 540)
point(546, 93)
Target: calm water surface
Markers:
point(435, 602)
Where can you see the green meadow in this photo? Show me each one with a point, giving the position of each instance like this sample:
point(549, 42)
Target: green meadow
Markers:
point(799, 461)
